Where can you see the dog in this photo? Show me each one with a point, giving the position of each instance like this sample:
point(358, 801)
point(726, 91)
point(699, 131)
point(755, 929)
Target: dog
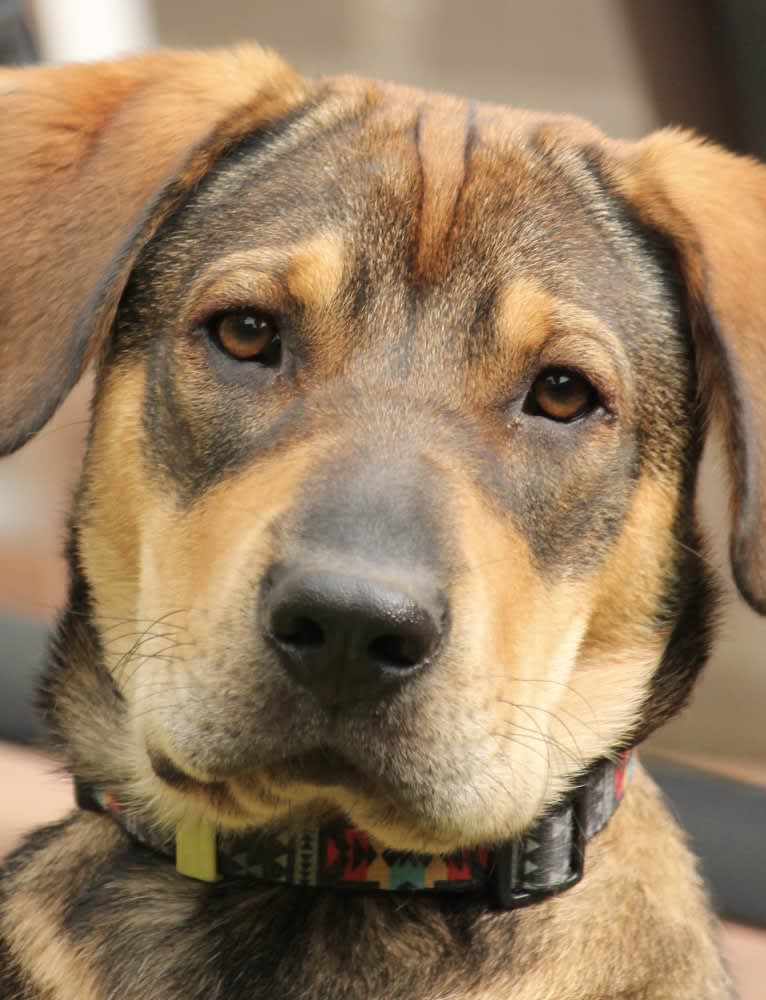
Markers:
point(384, 557)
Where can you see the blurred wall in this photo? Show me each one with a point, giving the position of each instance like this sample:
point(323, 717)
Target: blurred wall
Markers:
point(555, 55)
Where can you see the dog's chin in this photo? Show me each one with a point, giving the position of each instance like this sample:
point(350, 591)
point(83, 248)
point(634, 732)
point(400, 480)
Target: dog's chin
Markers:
point(315, 786)
point(322, 768)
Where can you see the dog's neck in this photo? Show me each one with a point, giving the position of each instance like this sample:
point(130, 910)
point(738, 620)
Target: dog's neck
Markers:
point(542, 862)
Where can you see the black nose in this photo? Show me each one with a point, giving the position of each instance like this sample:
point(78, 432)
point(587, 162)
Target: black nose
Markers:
point(350, 637)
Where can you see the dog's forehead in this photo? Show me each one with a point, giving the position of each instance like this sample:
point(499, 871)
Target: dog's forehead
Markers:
point(421, 187)
point(413, 213)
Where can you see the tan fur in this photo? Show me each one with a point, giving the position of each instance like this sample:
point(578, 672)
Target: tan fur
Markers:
point(315, 271)
point(441, 147)
point(538, 326)
point(524, 314)
point(36, 930)
point(240, 278)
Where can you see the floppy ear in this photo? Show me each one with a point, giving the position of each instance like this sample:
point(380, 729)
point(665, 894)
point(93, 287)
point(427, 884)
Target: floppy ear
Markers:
point(89, 152)
point(711, 206)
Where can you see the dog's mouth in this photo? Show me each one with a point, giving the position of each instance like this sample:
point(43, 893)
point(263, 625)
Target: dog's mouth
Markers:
point(176, 778)
point(322, 767)
point(307, 788)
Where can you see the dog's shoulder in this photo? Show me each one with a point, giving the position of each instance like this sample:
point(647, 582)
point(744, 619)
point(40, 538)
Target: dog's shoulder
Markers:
point(39, 882)
point(11, 983)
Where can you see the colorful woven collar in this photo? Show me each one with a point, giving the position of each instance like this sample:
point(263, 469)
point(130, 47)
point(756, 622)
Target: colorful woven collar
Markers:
point(544, 861)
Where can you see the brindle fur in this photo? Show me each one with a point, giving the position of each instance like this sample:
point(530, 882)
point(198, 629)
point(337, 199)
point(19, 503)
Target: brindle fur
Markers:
point(427, 258)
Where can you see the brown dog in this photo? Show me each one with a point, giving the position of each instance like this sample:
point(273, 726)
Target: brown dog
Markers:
point(386, 520)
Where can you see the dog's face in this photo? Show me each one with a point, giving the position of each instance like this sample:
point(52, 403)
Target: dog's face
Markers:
point(388, 478)
point(387, 508)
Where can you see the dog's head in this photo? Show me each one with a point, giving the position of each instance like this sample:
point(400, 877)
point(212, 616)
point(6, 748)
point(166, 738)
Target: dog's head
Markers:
point(388, 501)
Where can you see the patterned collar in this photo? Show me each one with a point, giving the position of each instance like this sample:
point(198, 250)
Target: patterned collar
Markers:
point(544, 861)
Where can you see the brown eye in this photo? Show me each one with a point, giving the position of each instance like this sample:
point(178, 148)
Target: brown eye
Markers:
point(249, 335)
point(562, 395)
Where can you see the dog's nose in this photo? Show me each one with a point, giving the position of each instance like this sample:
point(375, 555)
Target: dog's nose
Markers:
point(350, 637)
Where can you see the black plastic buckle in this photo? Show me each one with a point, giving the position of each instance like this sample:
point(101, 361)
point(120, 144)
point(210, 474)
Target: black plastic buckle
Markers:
point(508, 898)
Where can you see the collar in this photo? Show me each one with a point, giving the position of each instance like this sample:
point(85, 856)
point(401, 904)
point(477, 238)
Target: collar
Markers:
point(545, 860)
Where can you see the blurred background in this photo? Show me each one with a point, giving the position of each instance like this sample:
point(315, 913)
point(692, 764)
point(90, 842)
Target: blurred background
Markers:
point(629, 66)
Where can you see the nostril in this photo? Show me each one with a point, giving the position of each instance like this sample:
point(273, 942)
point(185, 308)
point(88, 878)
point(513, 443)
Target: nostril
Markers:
point(298, 631)
point(350, 637)
point(397, 651)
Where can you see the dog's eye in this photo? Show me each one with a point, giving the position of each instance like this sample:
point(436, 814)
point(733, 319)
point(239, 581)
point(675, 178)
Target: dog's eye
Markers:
point(249, 335)
point(561, 395)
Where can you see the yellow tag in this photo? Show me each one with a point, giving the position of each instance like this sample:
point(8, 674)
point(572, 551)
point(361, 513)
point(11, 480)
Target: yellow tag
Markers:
point(196, 850)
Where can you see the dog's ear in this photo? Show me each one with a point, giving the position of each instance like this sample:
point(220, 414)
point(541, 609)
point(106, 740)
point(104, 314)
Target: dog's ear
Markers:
point(90, 154)
point(711, 206)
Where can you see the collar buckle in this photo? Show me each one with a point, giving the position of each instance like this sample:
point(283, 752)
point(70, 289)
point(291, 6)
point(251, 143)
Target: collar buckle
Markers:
point(508, 893)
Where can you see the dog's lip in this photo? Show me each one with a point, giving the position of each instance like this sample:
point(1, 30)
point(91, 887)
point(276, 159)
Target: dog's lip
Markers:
point(174, 776)
point(323, 767)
